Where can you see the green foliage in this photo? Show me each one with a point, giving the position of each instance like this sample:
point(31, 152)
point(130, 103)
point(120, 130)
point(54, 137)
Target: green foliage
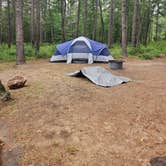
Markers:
point(154, 49)
point(9, 54)
point(29, 51)
point(116, 51)
point(46, 50)
point(148, 28)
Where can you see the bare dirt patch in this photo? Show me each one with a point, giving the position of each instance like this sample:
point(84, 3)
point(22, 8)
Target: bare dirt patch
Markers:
point(60, 120)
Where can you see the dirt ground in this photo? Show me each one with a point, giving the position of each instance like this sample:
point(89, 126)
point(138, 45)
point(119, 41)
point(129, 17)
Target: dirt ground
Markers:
point(58, 120)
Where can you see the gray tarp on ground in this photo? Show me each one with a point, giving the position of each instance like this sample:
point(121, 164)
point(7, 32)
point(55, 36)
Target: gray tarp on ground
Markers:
point(100, 76)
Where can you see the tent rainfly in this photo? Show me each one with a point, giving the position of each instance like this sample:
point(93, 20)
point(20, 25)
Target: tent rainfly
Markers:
point(81, 48)
point(99, 76)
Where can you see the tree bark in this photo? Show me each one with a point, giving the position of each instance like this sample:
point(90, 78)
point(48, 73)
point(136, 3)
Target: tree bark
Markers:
point(13, 30)
point(37, 40)
point(32, 22)
point(63, 19)
point(95, 19)
point(78, 17)
point(51, 23)
point(134, 24)
point(157, 21)
point(111, 24)
point(124, 29)
point(52, 35)
point(102, 20)
point(147, 27)
point(8, 25)
point(20, 59)
point(41, 30)
point(0, 21)
point(85, 16)
point(147, 23)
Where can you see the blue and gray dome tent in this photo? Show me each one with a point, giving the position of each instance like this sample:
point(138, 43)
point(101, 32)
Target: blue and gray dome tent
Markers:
point(81, 48)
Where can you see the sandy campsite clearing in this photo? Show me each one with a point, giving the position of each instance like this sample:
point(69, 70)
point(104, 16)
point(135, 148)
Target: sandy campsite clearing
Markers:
point(58, 120)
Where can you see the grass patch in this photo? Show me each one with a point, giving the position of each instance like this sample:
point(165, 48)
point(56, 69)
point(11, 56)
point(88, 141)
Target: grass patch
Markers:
point(34, 91)
point(9, 54)
point(72, 150)
point(153, 49)
point(5, 66)
point(10, 107)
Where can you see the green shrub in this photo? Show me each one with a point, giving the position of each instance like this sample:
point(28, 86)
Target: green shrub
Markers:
point(146, 56)
point(153, 49)
point(7, 54)
point(46, 51)
point(29, 51)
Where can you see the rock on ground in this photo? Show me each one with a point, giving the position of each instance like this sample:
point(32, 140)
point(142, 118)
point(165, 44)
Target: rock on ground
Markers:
point(16, 82)
point(158, 161)
point(4, 95)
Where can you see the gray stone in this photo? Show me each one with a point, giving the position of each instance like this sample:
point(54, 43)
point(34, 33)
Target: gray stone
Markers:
point(4, 94)
point(158, 161)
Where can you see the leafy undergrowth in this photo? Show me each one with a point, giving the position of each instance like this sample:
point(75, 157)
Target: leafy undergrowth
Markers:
point(154, 49)
point(9, 54)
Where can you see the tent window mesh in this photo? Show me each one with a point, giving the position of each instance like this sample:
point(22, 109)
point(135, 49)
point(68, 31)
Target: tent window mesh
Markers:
point(79, 47)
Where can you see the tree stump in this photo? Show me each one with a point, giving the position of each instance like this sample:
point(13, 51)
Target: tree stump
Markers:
point(4, 95)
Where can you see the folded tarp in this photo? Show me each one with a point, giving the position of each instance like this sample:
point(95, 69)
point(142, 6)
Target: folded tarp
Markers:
point(100, 76)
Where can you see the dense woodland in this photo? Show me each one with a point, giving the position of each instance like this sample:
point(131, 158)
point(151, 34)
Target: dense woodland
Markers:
point(126, 22)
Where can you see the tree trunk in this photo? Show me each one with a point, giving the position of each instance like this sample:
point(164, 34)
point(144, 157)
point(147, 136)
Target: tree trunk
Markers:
point(147, 23)
point(124, 29)
point(51, 23)
point(20, 59)
point(111, 24)
point(102, 20)
point(32, 22)
point(141, 21)
point(134, 24)
point(63, 19)
point(37, 40)
point(41, 33)
point(95, 19)
point(85, 16)
point(8, 25)
point(0, 21)
point(52, 35)
point(78, 17)
point(14, 20)
point(157, 20)
point(147, 28)
point(45, 36)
